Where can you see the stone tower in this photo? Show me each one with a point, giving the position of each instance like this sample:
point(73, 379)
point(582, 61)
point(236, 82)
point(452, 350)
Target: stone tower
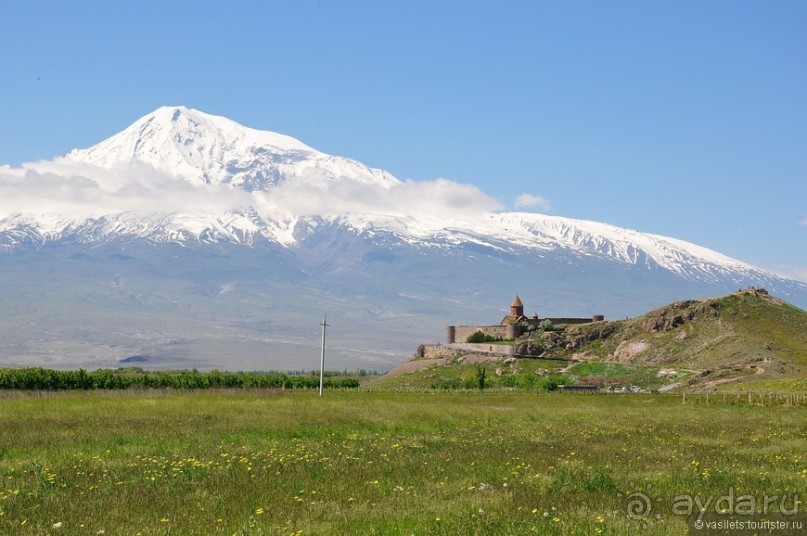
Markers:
point(517, 308)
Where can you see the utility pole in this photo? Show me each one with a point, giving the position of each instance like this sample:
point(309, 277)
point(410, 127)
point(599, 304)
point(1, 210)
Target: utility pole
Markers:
point(324, 325)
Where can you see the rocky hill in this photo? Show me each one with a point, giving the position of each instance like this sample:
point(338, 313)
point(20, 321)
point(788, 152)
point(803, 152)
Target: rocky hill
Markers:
point(745, 341)
point(748, 335)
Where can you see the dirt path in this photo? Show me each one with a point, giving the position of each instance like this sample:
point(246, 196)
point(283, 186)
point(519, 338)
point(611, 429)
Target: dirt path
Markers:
point(418, 364)
point(709, 385)
point(669, 387)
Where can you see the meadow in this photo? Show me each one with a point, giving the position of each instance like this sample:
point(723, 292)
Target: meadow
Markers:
point(373, 462)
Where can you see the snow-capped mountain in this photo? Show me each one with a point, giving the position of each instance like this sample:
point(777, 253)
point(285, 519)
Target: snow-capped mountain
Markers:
point(190, 239)
point(209, 149)
point(204, 150)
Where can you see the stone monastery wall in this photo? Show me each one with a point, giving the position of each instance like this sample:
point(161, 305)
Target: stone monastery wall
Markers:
point(461, 333)
point(512, 326)
point(434, 351)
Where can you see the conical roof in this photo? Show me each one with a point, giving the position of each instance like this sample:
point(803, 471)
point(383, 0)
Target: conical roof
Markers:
point(517, 302)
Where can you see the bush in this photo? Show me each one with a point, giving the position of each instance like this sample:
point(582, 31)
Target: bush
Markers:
point(508, 380)
point(551, 382)
point(481, 374)
point(447, 384)
point(478, 338)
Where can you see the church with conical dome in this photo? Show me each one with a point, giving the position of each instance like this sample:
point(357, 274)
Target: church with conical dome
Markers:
point(517, 308)
point(513, 325)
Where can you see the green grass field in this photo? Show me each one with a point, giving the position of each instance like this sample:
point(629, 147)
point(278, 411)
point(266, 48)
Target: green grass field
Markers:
point(271, 462)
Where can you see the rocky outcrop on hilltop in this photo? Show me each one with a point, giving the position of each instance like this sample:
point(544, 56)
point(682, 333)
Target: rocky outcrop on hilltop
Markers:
point(672, 316)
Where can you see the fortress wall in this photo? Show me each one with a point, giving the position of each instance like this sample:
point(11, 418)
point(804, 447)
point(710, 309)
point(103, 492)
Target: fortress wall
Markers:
point(569, 321)
point(433, 351)
point(461, 333)
point(483, 348)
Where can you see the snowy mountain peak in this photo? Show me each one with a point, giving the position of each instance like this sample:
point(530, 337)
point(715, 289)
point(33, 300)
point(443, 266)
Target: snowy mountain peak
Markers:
point(210, 149)
point(323, 207)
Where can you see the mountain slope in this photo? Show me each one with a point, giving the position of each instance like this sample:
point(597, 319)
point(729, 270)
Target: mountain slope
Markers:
point(208, 149)
point(239, 239)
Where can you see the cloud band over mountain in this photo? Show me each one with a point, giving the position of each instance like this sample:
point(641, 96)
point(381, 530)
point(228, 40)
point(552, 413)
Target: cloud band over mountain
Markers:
point(78, 189)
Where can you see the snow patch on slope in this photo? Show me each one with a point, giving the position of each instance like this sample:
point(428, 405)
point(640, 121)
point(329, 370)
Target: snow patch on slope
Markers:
point(209, 149)
point(180, 175)
point(511, 232)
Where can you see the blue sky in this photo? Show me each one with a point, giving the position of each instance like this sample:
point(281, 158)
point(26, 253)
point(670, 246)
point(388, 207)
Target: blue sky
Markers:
point(687, 119)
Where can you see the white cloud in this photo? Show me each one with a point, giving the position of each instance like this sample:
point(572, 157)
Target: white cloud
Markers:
point(531, 200)
point(76, 189)
point(65, 187)
point(804, 221)
point(790, 271)
point(442, 195)
point(799, 273)
point(312, 194)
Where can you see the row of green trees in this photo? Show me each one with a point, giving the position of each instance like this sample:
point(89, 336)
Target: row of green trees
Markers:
point(36, 378)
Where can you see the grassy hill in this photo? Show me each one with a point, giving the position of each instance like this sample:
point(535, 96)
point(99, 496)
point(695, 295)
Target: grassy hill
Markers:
point(751, 338)
point(745, 341)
